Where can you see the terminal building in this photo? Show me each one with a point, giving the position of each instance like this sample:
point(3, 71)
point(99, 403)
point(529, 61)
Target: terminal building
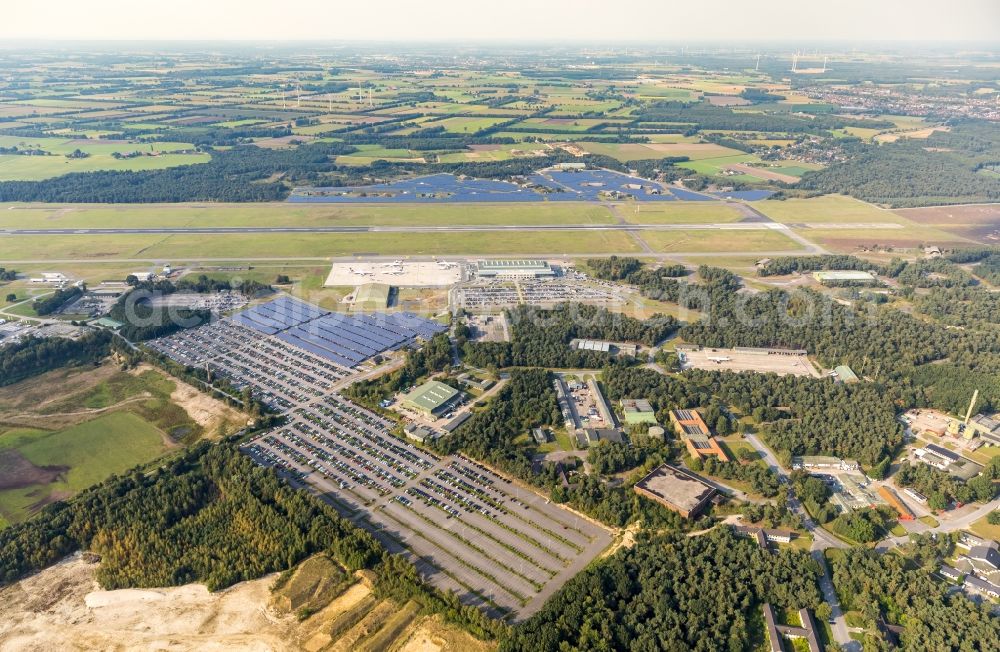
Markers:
point(514, 269)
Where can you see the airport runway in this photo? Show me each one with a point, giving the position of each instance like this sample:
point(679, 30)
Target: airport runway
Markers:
point(229, 230)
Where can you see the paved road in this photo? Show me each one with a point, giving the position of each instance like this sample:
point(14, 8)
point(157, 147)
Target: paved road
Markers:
point(841, 634)
point(821, 538)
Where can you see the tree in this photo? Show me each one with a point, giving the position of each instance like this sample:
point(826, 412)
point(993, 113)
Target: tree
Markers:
point(11, 298)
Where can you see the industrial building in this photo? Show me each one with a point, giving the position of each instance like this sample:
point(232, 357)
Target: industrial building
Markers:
point(591, 436)
point(638, 411)
point(823, 463)
point(676, 489)
point(601, 404)
point(433, 398)
point(514, 269)
point(986, 427)
point(372, 296)
point(849, 277)
point(615, 348)
point(697, 437)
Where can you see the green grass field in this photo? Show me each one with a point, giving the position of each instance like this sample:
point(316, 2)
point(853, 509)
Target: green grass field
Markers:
point(640, 151)
point(92, 450)
point(309, 245)
point(679, 212)
point(736, 241)
point(33, 168)
point(828, 208)
point(60, 216)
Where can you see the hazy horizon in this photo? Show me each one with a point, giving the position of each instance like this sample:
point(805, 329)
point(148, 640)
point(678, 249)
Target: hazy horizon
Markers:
point(515, 21)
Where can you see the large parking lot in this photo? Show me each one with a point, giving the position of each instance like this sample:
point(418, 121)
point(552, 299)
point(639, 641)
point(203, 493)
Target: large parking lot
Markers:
point(278, 374)
point(485, 295)
point(493, 543)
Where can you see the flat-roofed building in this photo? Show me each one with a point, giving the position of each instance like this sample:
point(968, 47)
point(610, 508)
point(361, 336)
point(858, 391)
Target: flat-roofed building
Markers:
point(834, 277)
point(691, 428)
point(432, 398)
point(986, 427)
point(514, 269)
point(676, 489)
point(638, 411)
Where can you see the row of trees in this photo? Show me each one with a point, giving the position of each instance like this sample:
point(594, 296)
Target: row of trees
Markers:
point(53, 302)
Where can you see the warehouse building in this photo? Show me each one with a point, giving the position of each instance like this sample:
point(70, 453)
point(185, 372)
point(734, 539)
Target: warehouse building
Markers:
point(638, 411)
point(372, 296)
point(433, 398)
point(844, 277)
point(676, 489)
point(514, 269)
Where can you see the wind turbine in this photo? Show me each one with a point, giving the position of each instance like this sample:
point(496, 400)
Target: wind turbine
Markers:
point(824, 64)
point(757, 66)
point(795, 62)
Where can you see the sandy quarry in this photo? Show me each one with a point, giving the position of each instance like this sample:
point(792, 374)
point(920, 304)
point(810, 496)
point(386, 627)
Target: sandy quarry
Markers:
point(62, 608)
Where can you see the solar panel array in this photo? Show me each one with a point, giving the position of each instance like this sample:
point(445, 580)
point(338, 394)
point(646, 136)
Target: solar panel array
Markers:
point(346, 340)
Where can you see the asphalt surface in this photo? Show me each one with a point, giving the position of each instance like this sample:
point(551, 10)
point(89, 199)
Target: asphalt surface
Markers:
point(755, 225)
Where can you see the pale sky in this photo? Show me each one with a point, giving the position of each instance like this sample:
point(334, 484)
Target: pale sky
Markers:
point(534, 20)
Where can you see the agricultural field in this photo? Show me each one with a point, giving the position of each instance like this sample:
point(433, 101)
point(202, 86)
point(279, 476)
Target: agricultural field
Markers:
point(101, 422)
point(58, 156)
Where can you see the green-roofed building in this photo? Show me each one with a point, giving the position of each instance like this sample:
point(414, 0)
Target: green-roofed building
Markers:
point(372, 296)
point(107, 322)
point(845, 374)
point(432, 398)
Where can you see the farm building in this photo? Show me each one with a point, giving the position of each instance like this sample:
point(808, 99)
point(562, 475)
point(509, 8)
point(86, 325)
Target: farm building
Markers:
point(838, 277)
point(697, 437)
point(433, 398)
point(676, 489)
point(637, 411)
point(372, 296)
point(512, 269)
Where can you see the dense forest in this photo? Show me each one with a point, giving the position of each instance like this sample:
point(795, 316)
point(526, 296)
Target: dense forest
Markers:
point(239, 174)
point(34, 356)
point(671, 592)
point(801, 416)
point(942, 169)
point(541, 337)
point(210, 515)
point(901, 590)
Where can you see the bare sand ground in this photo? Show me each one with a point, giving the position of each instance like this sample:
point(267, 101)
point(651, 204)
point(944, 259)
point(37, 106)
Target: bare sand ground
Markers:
point(63, 608)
